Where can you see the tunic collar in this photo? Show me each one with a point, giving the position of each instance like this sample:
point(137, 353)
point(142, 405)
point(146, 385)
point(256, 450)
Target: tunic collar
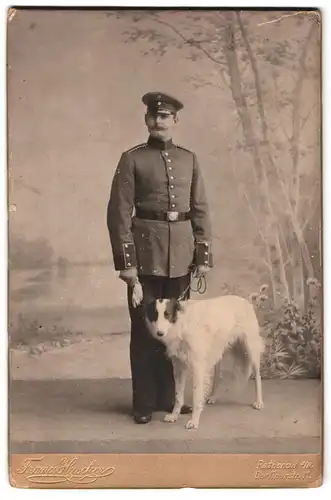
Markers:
point(154, 142)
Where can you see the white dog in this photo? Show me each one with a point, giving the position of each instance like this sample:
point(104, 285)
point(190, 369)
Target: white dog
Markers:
point(196, 333)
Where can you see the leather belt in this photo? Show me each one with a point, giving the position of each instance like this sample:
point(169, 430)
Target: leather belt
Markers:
point(170, 216)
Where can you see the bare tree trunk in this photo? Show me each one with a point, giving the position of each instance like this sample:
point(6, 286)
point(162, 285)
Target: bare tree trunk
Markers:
point(268, 160)
point(282, 269)
point(239, 98)
point(295, 139)
point(258, 89)
point(278, 274)
point(298, 279)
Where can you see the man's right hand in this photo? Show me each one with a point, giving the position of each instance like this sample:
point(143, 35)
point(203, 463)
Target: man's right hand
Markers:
point(129, 275)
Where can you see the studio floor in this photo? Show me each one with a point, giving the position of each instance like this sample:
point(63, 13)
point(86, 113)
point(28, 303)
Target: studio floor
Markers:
point(76, 399)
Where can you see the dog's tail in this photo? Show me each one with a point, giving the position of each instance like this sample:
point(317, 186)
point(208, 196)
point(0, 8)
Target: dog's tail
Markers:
point(245, 356)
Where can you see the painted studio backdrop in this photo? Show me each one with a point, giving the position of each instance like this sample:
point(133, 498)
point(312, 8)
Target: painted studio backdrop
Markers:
point(250, 83)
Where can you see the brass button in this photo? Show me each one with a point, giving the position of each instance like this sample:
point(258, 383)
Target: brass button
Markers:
point(173, 205)
point(172, 186)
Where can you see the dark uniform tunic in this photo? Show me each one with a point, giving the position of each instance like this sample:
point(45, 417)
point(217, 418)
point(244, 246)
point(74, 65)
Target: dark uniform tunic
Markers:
point(157, 177)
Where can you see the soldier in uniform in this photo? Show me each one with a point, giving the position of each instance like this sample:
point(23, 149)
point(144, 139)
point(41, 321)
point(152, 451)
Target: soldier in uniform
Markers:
point(159, 228)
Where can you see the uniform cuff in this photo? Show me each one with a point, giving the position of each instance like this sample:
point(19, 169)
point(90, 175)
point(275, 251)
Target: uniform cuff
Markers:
point(203, 254)
point(127, 259)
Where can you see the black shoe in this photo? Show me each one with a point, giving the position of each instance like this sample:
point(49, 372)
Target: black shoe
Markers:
point(186, 409)
point(142, 419)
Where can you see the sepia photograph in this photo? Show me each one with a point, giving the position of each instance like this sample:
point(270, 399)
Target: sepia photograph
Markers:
point(164, 246)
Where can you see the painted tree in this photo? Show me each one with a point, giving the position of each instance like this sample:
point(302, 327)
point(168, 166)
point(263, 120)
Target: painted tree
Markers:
point(270, 65)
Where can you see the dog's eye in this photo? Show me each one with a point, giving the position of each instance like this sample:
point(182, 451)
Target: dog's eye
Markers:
point(166, 315)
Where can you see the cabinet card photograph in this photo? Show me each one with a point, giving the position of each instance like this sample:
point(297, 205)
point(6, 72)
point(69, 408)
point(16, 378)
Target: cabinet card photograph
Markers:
point(164, 248)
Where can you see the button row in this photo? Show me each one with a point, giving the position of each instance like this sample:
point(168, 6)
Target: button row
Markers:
point(126, 246)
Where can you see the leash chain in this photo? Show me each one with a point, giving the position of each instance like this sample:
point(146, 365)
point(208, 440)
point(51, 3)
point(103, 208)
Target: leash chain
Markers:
point(201, 284)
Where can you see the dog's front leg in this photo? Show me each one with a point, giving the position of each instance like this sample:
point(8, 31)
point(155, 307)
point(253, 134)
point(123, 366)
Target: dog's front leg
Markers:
point(198, 394)
point(180, 380)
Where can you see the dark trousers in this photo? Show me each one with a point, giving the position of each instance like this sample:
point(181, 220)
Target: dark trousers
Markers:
point(153, 384)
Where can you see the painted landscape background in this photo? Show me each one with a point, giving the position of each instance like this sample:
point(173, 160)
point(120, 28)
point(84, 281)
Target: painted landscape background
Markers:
point(250, 83)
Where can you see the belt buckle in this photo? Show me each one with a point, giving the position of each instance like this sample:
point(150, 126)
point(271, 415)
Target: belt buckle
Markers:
point(172, 216)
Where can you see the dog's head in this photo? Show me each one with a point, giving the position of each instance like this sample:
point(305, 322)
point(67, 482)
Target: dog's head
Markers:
point(162, 315)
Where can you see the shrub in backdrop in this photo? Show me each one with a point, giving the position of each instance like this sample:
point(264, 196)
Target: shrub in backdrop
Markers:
point(293, 341)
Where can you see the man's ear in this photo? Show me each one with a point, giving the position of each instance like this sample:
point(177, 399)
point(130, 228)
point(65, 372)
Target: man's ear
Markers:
point(176, 118)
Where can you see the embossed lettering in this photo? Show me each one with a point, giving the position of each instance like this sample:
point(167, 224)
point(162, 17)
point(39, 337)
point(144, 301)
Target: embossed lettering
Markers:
point(66, 470)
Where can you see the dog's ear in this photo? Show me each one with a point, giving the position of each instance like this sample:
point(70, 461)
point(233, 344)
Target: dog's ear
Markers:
point(179, 306)
point(174, 308)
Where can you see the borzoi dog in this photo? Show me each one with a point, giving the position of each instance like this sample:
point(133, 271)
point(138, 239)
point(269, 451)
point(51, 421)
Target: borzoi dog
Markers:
point(196, 333)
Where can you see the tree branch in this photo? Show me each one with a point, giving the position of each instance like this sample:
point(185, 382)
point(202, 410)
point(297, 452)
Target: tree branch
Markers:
point(312, 209)
point(189, 41)
point(287, 136)
point(308, 115)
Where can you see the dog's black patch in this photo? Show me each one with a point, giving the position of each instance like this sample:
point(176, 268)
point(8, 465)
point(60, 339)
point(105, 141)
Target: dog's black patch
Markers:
point(172, 310)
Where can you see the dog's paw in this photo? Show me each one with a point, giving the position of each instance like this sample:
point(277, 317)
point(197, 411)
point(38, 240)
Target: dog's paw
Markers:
point(258, 405)
point(211, 401)
point(170, 417)
point(191, 425)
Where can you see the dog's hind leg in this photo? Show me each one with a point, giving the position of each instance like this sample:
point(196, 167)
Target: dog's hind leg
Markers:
point(199, 387)
point(258, 403)
point(255, 353)
point(180, 372)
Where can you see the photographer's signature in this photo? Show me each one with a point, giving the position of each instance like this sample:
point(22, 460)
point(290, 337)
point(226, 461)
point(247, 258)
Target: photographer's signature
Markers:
point(74, 470)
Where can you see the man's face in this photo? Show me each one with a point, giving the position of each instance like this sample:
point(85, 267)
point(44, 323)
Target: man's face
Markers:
point(160, 125)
